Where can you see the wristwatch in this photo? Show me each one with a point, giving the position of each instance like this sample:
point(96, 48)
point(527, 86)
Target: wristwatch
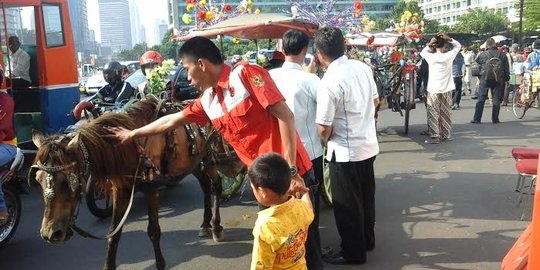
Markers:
point(294, 171)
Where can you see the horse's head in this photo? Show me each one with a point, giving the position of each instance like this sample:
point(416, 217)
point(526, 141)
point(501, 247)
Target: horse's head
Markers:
point(57, 169)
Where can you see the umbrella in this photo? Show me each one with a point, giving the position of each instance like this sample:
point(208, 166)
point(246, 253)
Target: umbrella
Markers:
point(499, 38)
point(254, 26)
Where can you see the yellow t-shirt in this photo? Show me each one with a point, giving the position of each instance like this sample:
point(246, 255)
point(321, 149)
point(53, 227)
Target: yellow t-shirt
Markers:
point(280, 234)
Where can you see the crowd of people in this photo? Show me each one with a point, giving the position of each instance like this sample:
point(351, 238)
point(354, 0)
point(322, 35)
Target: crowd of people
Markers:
point(279, 121)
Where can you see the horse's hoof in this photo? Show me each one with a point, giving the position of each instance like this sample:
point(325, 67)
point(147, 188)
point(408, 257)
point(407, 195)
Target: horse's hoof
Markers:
point(218, 236)
point(205, 232)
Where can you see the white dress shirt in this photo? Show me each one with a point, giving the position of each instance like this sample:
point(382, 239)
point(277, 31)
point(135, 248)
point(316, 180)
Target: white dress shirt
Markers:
point(19, 65)
point(345, 102)
point(440, 68)
point(300, 91)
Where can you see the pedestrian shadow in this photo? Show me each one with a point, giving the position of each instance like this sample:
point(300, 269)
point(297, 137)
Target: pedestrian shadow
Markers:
point(439, 220)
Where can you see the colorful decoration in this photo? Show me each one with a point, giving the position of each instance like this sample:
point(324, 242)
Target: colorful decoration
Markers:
point(411, 26)
point(350, 20)
point(206, 13)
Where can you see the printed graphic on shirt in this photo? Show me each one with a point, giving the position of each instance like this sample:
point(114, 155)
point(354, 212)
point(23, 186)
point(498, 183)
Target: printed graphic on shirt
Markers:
point(293, 249)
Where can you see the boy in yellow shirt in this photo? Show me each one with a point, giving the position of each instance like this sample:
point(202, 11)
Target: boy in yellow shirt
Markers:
point(280, 231)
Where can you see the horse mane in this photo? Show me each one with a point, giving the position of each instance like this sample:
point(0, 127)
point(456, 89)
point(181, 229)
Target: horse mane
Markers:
point(107, 157)
point(52, 148)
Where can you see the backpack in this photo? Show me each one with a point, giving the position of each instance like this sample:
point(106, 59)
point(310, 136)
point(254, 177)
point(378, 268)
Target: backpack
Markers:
point(492, 69)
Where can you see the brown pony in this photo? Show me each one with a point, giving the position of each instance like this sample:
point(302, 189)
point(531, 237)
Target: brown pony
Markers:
point(64, 162)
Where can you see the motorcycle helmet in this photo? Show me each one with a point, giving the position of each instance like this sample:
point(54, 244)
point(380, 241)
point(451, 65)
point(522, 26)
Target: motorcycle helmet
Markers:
point(150, 59)
point(113, 71)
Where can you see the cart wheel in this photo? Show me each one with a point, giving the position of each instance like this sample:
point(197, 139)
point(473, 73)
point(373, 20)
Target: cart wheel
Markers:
point(519, 105)
point(97, 202)
point(13, 202)
point(230, 185)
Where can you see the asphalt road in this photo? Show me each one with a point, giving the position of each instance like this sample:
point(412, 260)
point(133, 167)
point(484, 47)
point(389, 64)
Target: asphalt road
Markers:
point(447, 206)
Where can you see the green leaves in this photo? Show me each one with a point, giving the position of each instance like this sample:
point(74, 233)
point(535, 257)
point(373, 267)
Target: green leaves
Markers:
point(482, 21)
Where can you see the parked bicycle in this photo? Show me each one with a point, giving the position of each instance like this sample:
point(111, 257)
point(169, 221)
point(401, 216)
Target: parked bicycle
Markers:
point(526, 96)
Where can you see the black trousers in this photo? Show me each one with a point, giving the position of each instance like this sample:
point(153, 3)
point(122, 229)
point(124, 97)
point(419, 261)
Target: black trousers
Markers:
point(17, 83)
point(456, 94)
point(353, 197)
point(313, 178)
point(498, 92)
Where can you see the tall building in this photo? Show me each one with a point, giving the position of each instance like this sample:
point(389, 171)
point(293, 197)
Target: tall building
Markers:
point(13, 21)
point(373, 8)
point(137, 28)
point(447, 12)
point(78, 16)
point(115, 24)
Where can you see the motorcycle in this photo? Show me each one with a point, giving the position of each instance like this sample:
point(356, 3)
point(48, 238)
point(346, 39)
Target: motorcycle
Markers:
point(13, 186)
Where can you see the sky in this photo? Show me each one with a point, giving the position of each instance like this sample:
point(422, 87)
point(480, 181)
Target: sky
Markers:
point(154, 10)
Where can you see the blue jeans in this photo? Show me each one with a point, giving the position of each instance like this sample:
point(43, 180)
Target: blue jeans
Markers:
point(7, 154)
point(498, 91)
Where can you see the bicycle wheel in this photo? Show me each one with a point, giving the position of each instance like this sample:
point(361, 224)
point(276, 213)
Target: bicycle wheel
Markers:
point(519, 104)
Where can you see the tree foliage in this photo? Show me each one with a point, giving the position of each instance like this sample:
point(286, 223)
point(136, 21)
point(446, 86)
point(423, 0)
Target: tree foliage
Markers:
point(531, 14)
point(403, 6)
point(482, 21)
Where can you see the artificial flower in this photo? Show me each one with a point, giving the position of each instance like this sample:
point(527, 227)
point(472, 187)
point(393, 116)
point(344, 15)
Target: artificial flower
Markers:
point(209, 16)
point(202, 3)
point(190, 7)
point(227, 8)
point(249, 4)
point(236, 40)
point(257, 11)
point(193, 2)
point(358, 6)
point(201, 15)
point(186, 18)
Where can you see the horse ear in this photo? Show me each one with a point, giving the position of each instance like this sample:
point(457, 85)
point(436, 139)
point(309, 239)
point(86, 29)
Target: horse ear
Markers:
point(74, 142)
point(37, 138)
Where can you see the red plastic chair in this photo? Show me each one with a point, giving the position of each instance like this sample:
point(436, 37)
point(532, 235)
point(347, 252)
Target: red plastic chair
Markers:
point(525, 153)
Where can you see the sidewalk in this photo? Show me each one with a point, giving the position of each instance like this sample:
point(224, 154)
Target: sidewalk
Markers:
point(447, 206)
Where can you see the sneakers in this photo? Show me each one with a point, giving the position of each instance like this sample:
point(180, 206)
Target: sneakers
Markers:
point(475, 122)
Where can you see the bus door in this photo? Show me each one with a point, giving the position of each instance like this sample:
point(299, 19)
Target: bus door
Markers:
point(45, 34)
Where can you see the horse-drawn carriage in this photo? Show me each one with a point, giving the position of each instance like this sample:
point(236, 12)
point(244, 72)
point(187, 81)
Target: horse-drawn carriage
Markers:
point(64, 162)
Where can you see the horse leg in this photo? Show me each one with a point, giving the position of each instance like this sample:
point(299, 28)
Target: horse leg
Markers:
point(217, 229)
point(205, 184)
point(154, 231)
point(120, 200)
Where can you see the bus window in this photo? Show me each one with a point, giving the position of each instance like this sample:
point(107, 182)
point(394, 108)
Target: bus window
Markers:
point(52, 20)
point(20, 22)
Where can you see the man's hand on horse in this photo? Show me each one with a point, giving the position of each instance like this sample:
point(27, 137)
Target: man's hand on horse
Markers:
point(297, 186)
point(123, 134)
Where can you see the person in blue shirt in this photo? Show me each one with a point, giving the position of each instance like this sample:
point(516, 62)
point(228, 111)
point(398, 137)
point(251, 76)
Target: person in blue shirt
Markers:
point(533, 60)
point(458, 65)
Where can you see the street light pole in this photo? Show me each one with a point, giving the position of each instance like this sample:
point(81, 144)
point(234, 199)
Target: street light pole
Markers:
point(521, 23)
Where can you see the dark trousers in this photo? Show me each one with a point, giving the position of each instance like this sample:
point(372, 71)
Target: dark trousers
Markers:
point(313, 241)
point(456, 94)
point(353, 197)
point(498, 90)
point(313, 179)
point(509, 88)
point(17, 83)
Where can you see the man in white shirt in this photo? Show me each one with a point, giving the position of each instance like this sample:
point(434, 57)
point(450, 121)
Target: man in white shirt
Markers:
point(19, 66)
point(300, 91)
point(440, 86)
point(346, 101)
point(468, 57)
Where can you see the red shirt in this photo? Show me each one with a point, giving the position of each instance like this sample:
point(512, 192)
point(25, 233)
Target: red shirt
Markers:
point(237, 107)
point(7, 133)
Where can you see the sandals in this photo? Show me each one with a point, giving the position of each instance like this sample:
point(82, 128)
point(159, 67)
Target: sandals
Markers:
point(433, 140)
point(4, 216)
point(425, 133)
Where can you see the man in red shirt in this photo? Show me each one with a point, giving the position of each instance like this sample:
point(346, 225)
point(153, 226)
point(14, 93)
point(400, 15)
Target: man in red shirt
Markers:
point(246, 107)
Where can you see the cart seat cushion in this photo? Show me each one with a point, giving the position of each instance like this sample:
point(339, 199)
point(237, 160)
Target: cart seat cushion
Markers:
point(525, 153)
point(527, 166)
